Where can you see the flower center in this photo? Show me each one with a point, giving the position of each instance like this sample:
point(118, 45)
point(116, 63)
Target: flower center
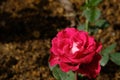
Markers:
point(74, 47)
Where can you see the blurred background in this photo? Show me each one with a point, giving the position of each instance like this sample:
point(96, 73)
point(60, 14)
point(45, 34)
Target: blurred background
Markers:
point(27, 27)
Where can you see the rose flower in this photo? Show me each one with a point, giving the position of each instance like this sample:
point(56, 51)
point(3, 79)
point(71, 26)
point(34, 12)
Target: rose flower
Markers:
point(77, 51)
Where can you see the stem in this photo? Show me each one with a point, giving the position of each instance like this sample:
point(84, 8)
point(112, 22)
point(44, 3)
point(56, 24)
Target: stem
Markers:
point(86, 22)
point(86, 25)
point(76, 76)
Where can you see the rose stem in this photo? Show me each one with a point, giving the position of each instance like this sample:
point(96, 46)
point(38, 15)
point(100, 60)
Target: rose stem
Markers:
point(86, 23)
point(76, 75)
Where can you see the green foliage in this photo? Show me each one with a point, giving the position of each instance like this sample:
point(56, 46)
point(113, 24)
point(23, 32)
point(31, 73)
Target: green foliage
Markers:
point(106, 53)
point(92, 14)
point(60, 75)
point(104, 60)
point(115, 57)
point(109, 49)
point(81, 27)
point(94, 2)
point(70, 76)
point(90, 11)
point(91, 3)
point(101, 23)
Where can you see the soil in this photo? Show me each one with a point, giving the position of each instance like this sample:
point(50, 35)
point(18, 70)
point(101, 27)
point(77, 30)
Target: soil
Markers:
point(26, 30)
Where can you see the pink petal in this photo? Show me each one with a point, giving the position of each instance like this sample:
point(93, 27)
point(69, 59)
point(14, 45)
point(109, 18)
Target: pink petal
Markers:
point(53, 60)
point(99, 47)
point(66, 67)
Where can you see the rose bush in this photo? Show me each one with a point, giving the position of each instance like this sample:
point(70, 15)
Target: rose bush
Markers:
point(77, 51)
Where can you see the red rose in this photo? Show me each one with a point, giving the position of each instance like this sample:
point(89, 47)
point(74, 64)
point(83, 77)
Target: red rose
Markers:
point(77, 51)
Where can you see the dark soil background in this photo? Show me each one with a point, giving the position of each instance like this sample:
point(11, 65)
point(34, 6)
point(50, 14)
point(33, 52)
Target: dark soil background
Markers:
point(27, 27)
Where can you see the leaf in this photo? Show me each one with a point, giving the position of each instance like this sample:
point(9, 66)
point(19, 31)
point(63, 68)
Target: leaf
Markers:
point(94, 2)
point(81, 27)
point(70, 76)
point(60, 75)
point(109, 49)
point(115, 57)
point(104, 60)
point(101, 23)
point(105, 54)
point(92, 14)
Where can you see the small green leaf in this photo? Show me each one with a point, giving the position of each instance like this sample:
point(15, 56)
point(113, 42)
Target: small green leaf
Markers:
point(60, 75)
point(94, 2)
point(109, 49)
point(81, 27)
point(106, 53)
point(70, 76)
point(92, 14)
point(115, 57)
point(104, 60)
point(99, 23)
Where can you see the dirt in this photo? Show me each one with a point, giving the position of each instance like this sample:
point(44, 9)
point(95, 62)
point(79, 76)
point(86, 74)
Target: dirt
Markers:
point(26, 30)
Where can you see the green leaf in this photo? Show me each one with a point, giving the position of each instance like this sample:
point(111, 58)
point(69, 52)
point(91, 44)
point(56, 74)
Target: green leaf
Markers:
point(109, 49)
point(60, 75)
point(81, 27)
point(104, 60)
point(70, 76)
point(101, 23)
point(92, 14)
point(94, 2)
point(115, 57)
point(105, 54)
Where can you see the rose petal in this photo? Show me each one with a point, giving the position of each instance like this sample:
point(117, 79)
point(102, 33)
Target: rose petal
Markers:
point(91, 45)
point(82, 58)
point(67, 67)
point(92, 69)
point(99, 47)
point(54, 60)
point(70, 31)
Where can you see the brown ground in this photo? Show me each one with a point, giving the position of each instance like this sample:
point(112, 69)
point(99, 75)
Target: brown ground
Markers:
point(27, 26)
